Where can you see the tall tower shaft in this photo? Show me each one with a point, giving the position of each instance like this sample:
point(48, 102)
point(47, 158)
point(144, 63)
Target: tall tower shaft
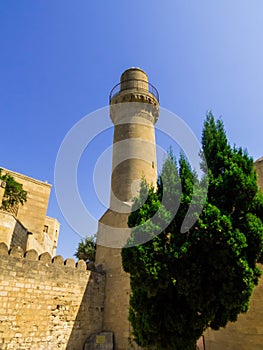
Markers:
point(134, 109)
point(259, 169)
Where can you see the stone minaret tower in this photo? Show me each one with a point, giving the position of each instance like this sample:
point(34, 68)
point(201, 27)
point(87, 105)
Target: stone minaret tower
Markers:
point(134, 109)
point(259, 169)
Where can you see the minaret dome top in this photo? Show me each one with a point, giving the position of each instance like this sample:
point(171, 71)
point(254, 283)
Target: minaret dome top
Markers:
point(134, 73)
point(134, 80)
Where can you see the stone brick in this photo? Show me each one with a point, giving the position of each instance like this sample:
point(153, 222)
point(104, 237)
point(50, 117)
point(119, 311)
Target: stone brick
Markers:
point(81, 265)
point(31, 254)
point(45, 257)
point(28, 226)
point(58, 260)
point(70, 262)
point(3, 248)
point(47, 306)
point(17, 252)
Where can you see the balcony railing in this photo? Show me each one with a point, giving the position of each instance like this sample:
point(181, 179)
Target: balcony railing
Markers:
point(134, 84)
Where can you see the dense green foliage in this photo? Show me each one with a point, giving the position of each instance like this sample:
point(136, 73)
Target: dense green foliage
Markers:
point(184, 282)
point(86, 249)
point(14, 192)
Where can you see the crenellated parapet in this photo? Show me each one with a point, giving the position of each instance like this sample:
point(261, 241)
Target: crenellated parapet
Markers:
point(18, 252)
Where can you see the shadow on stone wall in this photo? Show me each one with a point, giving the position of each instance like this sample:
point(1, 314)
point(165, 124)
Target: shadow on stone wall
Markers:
point(90, 313)
point(19, 237)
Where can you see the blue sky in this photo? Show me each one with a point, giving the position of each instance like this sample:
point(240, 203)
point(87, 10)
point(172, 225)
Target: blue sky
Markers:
point(59, 59)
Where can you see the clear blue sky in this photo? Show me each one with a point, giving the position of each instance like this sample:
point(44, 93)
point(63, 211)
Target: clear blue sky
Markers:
point(60, 58)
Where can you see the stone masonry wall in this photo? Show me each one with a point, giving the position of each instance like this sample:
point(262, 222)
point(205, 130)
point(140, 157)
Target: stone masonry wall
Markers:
point(47, 304)
point(246, 333)
point(19, 237)
point(12, 232)
point(33, 214)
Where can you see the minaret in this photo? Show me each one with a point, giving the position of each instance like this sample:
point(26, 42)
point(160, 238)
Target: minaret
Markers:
point(259, 169)
point(134, 109)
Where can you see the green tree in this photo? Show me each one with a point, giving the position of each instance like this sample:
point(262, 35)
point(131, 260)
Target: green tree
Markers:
point(86, 249)
point(184, 281)
point(14, 193)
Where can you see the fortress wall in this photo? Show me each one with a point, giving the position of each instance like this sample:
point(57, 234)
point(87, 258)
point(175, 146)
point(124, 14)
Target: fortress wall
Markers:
point(47, 304)
point(246, 333)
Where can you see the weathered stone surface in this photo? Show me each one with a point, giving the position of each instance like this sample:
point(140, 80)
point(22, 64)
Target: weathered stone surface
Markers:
point(58, 260)
point(30, 217)
point(45, 258)
point(17, 252)
point(12, 232)
point(47, 306)
point(100, 341)
point(246, 333)
point(3, 248)
point(31, 254)
point(134, 156)
point(259, 169)
point(70, 262)
point(81, 265)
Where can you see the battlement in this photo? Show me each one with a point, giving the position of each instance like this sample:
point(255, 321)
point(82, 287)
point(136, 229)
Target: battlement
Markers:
point(18, 252)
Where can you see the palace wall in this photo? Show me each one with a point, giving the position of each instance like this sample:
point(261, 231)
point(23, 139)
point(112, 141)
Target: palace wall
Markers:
point(42, 230)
